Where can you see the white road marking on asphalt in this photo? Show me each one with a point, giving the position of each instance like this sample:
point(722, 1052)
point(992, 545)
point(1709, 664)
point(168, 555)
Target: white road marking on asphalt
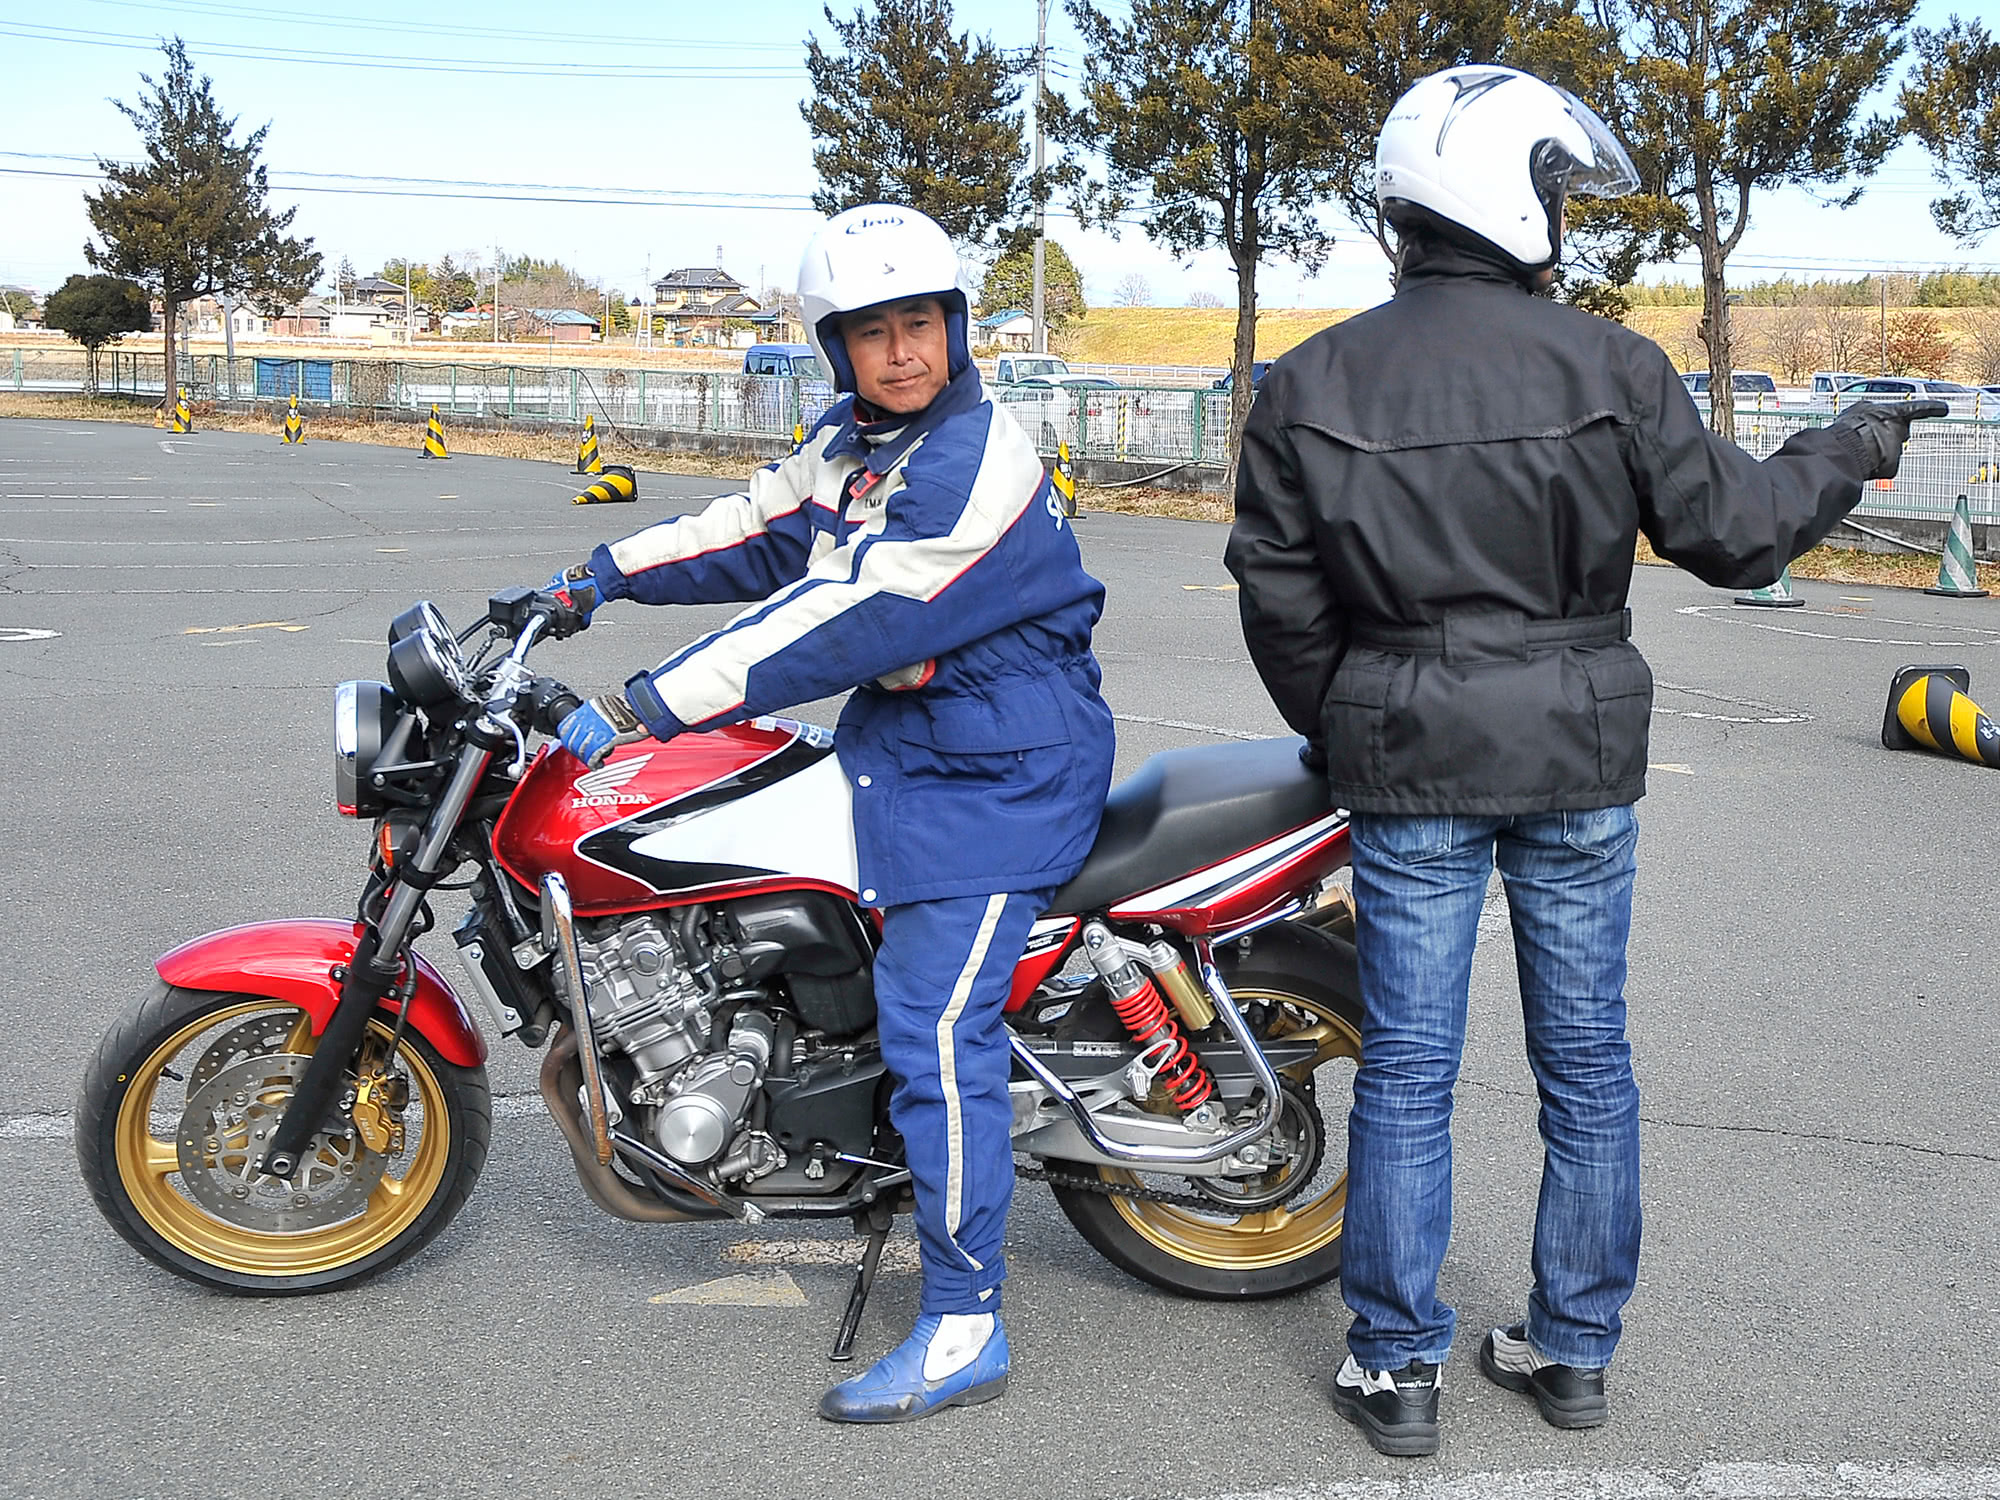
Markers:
point(392, 549)
point(1771, 712)
point(1716, 1481)
point(205, 504)
point(774, 1289)
point(285, 625)
point(1857, 598)
point(14, 633)
point(1227, 734)
point(1733, 614)
point(165, 446)
point(1213, 588)
point(899, 1253)
point(1670, 765)
point(517, 1106)
point(35, 1128)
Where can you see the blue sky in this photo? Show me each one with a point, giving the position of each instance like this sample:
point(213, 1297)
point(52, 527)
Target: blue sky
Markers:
point(724, 131)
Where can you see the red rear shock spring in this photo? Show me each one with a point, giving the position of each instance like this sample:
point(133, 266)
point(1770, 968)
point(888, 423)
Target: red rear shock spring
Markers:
point(1145, 1014)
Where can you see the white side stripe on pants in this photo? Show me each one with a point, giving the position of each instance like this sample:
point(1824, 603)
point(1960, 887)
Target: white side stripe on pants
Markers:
point(954, 1180)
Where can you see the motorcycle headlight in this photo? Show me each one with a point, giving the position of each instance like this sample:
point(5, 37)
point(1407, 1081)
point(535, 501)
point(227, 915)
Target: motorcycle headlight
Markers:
point(364, 714)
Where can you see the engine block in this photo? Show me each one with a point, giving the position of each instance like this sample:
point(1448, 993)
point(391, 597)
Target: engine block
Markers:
point(643, 1001)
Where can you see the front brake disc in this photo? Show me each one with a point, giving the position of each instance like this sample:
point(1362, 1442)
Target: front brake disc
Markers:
point(225, 1131)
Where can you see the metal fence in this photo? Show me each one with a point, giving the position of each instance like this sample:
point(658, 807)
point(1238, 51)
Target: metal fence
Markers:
point(1154, 425)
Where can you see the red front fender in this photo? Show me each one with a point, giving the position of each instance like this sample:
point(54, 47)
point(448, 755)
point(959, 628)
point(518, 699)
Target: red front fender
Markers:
point(294, 960)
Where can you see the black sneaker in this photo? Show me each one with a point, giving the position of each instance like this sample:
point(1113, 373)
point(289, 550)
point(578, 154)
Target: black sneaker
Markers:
point(1567, 1396)
point(1396, 1410)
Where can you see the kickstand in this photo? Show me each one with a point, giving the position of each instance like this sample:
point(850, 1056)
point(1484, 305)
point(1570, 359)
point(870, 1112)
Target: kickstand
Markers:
point(864, 1283)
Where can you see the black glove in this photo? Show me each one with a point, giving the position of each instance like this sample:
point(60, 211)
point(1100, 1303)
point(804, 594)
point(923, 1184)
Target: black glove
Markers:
point(1875, 433)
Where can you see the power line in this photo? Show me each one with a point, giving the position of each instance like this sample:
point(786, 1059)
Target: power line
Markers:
point(431, 28)
point(366, 192)
point(477, 68)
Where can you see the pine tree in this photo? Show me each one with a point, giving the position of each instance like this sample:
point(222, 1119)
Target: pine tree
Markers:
point(909, 113)
point(1951, 103)
point(191, 218)
point(1011, 282)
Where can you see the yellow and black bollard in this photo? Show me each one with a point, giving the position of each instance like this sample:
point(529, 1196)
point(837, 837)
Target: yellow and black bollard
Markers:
point(183, 419)
point(589, 460)
point(295, 426)
point(1929, 710)
point(1063, 477)
point(798, 434)
point(434, 437)
point(616, 484)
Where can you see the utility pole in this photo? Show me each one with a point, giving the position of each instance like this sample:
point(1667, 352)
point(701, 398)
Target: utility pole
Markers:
point(409, 306)
point(1882, 287)
point(496, 294)
point(1040, 340)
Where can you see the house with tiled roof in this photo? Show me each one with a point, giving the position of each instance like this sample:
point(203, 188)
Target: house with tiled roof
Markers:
point(706, 305)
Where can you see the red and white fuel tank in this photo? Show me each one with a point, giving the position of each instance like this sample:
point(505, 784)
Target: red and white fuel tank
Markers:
point(756, 806)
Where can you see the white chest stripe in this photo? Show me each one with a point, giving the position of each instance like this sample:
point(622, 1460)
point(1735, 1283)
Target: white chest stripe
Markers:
point(712, 679)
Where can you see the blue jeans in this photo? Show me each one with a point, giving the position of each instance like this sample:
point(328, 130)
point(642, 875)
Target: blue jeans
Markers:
point(1419, 883)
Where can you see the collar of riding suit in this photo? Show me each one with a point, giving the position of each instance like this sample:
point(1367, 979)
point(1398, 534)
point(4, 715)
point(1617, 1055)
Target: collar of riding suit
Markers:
point(883, 442)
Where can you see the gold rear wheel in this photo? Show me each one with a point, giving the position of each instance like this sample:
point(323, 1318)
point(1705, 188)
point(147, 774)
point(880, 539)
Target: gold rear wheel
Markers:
point(1288, 1238)
point(179, 1107)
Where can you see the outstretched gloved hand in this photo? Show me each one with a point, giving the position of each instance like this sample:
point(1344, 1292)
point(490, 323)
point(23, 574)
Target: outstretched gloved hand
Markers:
point(1875, 432)
point(594, 730)
point(577, 587)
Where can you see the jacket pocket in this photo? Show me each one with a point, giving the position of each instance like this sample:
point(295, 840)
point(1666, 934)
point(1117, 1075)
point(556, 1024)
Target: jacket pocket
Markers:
point(1023, 718)
point(1622, 685)
point(1353, 716)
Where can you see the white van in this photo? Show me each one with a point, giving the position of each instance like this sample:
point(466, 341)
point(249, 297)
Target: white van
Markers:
point(1827, 384)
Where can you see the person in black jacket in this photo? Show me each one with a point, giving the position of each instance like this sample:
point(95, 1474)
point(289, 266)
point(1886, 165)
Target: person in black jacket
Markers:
point(1436, 509)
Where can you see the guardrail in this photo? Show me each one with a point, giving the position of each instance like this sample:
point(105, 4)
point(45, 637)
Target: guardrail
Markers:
point(1174, 427)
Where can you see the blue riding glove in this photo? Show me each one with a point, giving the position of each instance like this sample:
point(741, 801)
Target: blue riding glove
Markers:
point(592, 731)
point(577, 587)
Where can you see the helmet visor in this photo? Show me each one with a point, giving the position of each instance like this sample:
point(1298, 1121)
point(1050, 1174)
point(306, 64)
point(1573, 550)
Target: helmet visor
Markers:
point(1610, 173)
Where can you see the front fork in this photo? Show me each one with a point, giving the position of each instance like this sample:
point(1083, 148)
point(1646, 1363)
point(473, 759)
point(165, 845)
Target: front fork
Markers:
point(379, 963)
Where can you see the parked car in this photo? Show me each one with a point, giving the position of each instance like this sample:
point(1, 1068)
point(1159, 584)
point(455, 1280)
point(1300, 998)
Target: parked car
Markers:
point(1046, 407)
point(1754, 390)
point(1827, 384)
point(1014, 368)
point(768, 403)
point(1963, 400)
point(1258, 369)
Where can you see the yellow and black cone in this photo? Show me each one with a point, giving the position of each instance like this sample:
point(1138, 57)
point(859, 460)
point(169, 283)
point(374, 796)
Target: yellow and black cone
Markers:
point(616, 484)
point(183, 419)
point(295, 426)
point(589, 460)
point(1778, 596)
point(434, 437)
point(1928, 710)
point(1063, 477)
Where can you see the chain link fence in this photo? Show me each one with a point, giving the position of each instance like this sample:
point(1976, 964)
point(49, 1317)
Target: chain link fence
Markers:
point(1173, 427)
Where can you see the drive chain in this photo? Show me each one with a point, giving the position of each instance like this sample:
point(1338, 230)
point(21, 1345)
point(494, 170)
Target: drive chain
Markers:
point(1095, 1184)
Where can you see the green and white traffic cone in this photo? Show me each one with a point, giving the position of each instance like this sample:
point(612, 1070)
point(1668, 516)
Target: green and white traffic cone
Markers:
point(1778, 596)
point(1958, 575)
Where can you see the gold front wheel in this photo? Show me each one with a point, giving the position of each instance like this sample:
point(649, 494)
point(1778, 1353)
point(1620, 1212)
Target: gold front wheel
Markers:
point(1265, 1237)
point(178, 1109)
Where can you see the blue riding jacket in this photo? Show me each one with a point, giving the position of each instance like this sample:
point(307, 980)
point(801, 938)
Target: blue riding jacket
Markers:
point(924, 561)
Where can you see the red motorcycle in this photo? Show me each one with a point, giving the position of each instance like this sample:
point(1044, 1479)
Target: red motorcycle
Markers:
point(301, 1104)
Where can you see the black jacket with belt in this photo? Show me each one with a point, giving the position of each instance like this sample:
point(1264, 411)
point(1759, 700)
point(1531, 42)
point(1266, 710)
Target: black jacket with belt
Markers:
point(1437, 503)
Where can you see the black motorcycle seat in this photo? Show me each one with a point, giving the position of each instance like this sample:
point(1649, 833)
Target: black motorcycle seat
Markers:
point(1184, 809)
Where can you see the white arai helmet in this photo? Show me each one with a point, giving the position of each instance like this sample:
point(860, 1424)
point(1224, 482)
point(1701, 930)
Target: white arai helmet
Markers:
point(879, 252)
point(1493, 152)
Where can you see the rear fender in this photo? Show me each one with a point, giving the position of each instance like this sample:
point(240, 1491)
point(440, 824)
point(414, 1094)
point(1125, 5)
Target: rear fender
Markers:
point(294, 961)
point(1298, 949)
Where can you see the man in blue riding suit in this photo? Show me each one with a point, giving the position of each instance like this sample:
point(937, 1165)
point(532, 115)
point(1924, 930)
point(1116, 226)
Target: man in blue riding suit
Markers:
point(911, 548)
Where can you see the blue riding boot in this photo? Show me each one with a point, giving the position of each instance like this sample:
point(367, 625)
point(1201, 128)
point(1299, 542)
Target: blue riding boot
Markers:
point(894, 1388)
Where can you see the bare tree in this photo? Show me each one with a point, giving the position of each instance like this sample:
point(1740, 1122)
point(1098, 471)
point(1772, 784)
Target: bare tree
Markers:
point(1790, 342)
point(1134, 291)
point(1981, 326)
point(1204, 299)
point(1843, 331)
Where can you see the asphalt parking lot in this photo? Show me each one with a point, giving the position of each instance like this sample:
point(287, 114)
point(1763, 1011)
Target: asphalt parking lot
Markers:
point(1814, 1011)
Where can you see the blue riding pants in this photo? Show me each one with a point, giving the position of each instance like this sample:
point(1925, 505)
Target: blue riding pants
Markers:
point(941, 982)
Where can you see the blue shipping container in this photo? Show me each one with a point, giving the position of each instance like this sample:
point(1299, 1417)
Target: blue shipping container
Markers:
point(308, 379)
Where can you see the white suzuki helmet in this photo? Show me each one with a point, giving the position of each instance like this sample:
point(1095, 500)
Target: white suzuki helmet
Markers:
point(879, 252)
point(1493, 151)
